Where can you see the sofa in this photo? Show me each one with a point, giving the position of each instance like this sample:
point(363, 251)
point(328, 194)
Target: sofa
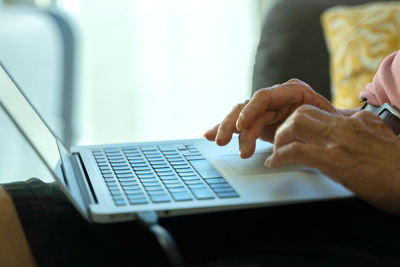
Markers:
point(292, 44)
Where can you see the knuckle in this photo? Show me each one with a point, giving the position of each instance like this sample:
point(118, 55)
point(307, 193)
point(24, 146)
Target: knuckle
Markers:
point(295, 147)
point(294, 80)
point(303, 109)
point(261, 93)
point(239, 106)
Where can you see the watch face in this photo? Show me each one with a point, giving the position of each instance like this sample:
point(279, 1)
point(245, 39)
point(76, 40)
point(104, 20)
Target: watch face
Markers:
point(391, 120)
point(387, 113)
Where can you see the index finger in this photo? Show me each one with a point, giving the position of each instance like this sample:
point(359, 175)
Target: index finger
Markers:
point(272, 99)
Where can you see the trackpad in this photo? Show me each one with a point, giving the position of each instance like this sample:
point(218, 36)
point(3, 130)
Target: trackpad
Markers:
point(255, 165)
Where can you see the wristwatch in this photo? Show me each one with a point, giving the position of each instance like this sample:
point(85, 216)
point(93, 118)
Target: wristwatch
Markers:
point(387, 113)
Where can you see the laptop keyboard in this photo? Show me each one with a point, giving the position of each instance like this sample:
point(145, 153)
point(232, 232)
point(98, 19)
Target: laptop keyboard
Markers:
point(143, 174)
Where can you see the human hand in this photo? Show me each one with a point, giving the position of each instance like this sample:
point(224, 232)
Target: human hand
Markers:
point(360, 152)
point(265, 112)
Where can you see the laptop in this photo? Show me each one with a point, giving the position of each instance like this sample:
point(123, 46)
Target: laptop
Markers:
point(113, 182)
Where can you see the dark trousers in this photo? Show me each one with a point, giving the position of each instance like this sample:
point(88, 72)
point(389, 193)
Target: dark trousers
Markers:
point(331, 233)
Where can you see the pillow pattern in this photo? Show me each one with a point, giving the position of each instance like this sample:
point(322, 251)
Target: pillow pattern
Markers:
point(358, 39)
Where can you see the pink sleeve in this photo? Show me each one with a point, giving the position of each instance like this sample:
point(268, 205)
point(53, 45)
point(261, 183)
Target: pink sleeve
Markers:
point(385, 87)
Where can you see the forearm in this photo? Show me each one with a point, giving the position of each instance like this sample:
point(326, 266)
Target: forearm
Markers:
point(14, 248)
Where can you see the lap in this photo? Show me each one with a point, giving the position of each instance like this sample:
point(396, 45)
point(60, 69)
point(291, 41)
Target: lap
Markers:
point(346, 232)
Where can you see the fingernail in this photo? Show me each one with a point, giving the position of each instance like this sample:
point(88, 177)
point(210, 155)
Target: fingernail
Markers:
point(268, 161)
point(239, 123)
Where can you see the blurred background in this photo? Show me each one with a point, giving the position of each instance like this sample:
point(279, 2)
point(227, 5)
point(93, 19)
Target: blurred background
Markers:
point(125, 70)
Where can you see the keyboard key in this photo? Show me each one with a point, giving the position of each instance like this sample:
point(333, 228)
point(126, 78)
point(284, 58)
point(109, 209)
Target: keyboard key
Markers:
point(160, 198)
point(117, 162)
point(126, 171)
point(111, 184)
point(197, 157)
point(116, 193)
point(171, 181)
point(221, 185)
point(141, 168)
point(175, 159)
point(135, 157)
point(124, 175)
point(184, 174)
point(138, 201)
point(224, 190)
point(177, 189)
point(159, 165)
point(182, 147)
point(196, 186)
point(113, 187)
point(149, 180)
point(164, 170)
point(170, 154)
point(138, 161)
point(168, 178)
point(166, 173)
point(133, 192)
point(178, 162)
point(182, 166)
point(120, 202)
point(128, 183)
point(121, 168)
point(136, 196)
point(227, 194)
point(149, 175)
point(202, 193)
point(150, 184)
point(195, 181)
point(216, 180)
point(181, 196)
point(154, 188)
point(172, 185)
point(182, 170)
point(190, 177)
point(156, 192)
point(118, 197)
point(128, 179)
point(131, 187)
point(120, 165)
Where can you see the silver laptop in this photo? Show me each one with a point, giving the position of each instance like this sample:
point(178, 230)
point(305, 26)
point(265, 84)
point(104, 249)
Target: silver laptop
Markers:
point(110, 183)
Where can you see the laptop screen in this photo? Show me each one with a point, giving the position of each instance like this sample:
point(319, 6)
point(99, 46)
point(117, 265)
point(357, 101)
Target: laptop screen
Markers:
point(30, 124)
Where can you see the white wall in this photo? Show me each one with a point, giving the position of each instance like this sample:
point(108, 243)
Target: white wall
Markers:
point(163, 69)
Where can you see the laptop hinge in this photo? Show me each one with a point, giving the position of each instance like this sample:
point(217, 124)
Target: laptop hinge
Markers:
point(85, 186)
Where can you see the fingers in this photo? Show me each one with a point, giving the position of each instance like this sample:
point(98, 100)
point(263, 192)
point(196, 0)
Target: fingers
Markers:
point(305, 154)
point(228, 126)
point(248, 137)
point(211, 134)
point(269, 99)
point(307, 125)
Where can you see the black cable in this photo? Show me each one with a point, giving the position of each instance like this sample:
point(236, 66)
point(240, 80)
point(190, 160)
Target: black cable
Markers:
point(150, 220)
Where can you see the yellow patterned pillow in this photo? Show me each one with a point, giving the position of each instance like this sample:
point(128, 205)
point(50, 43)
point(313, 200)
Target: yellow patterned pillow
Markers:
point(358, 39)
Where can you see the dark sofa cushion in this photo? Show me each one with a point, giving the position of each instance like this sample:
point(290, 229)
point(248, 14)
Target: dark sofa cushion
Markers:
point(292, 44)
